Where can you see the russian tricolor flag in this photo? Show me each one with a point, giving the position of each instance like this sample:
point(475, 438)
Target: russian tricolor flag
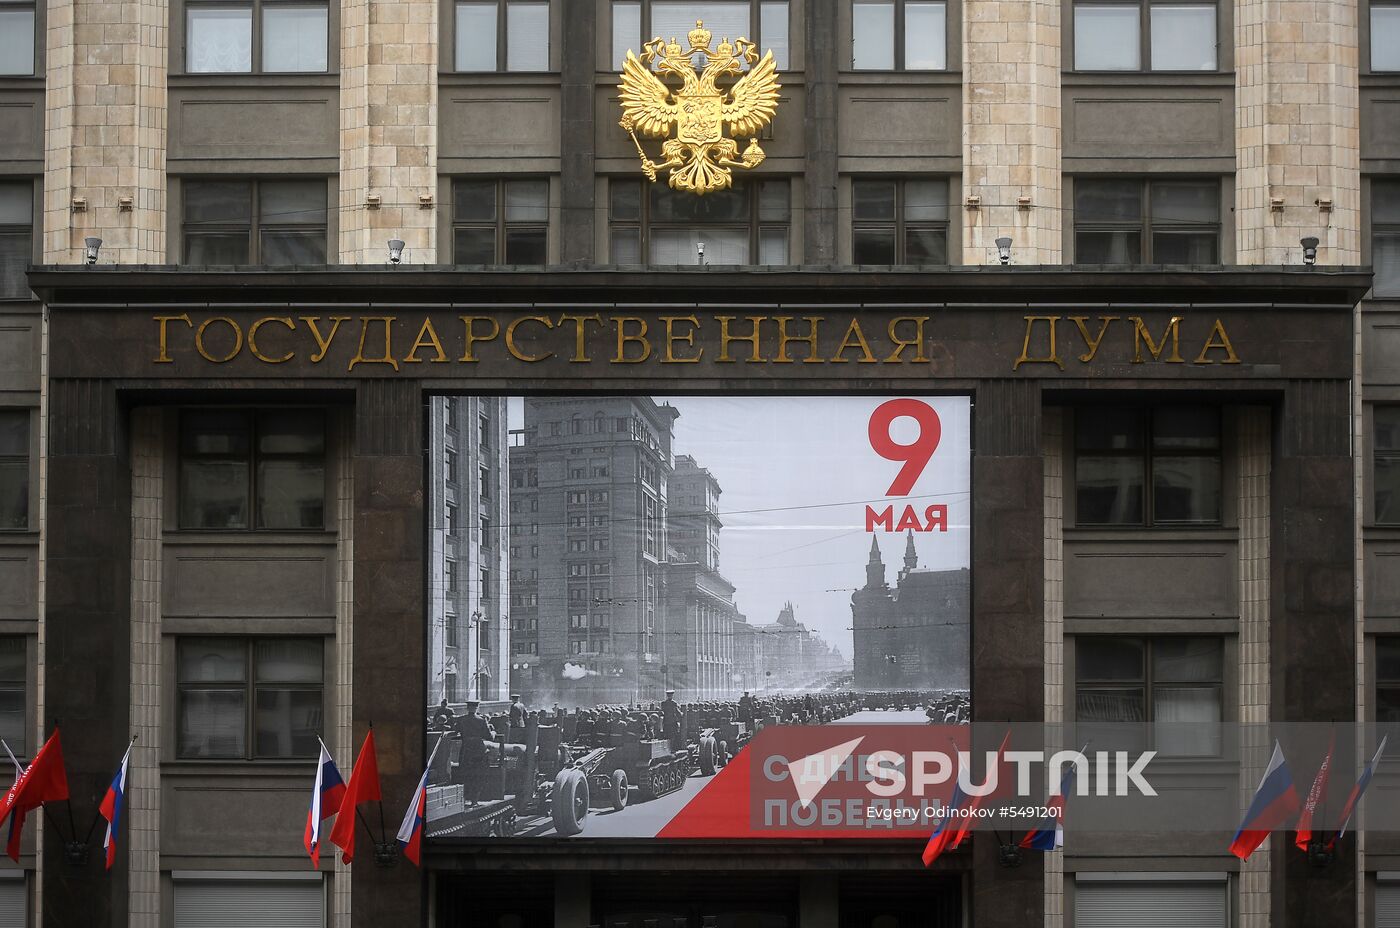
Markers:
point(326, 796)
point(411, 831)
point(111, 808)
point(1274, 803)
point(947, 829)
point(1050, 836)
point(1360, 787)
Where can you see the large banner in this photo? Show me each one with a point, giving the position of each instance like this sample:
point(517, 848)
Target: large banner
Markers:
point(625, 590)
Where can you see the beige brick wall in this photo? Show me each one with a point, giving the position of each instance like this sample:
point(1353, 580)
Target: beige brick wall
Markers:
point(1011, 128)
point(105, 129)
point(388, 128)
point(1296, 130)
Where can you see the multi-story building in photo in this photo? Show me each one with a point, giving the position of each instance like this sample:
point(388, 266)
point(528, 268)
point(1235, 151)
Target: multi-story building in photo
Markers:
point(587, 536)
point(244, 244)
point(792, 657)
point(914, 634)
point(468, 612)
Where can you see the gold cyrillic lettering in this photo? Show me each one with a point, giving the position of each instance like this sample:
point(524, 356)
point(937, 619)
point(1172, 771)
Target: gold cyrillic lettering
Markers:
point(580, 334)
point(917, 342)
point(672, 336)
point(470, 338)
point(237, 339)
point(427, 338)
point(163, 357)
point(253, 339)
point(322, 343)
point(1053, 357)
point(1141, 336)
point(1092, 342)
point(514, 349)
point(388, 358)
point(813, 323)
point(867, 356)
point(1222, 345)
point(755, 356)
point(623, 338)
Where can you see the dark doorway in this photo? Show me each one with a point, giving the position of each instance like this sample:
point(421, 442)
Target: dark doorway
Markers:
point(901, 900)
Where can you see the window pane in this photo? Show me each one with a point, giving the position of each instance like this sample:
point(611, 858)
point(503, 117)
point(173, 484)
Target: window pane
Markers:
point(291, 494)
point(1388, 660)
point(16, 252)
point(291, 432)
point(474, 200)
point(925, 200)
point(14, 495)
point(1107, 200)
point(527, 37)
point(16, 41)
point(219, 39)
point(476, 37)
point(1179, 659)
point(474, 246)
point(216, 248)
point(1107, 247)
point(287, 660)
point(287, 722)
point(526, 246)
point(625, 199)
point(211, 723)
point(626, 31)
point(213, 494)
point(211, 660)
point(12, 725)
point(1187, 720)
point(1183, 38)
point(1385, 259)
point(773, 31)
point(772, 247)
point(527, 201)
point(1185, 201)
point(14, 432)
point(925, 42)
point(1387, 478)
point(1177, 427)
point(1109, 490)
point(723, 20)
point(292, 202)
point(1385, 38)
point(677, 246)
point(872, 246)
point(1106, 38)
point(925, 246)
point(1387, 421)
point(17, 204)
point(217, 201)
point(872, 36)
point(294, 38)
point(1185, 489)
point(285, 248)
point(626, 247)
point(721, 206)
point(1385, 200)
point(12, 659)
point(774, 201)
point(1185, 248)
point(873, 200)
point(1109, 429)
point(1111, 705)
point(222, 433)
point(1109, 659)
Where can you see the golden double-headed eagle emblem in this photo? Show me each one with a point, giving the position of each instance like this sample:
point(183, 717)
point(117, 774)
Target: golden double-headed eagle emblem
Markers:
point(701, 155)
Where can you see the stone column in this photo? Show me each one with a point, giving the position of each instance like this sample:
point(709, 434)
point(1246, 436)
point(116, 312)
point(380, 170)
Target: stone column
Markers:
point(388, 129)
point(576, 134)
point(820, 218)
point(105, 129)
point(1296, 134)
point(1054, 495)
point(1011, 129)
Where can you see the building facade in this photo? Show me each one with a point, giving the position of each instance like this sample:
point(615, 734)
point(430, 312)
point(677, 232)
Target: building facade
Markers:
point(221, 424)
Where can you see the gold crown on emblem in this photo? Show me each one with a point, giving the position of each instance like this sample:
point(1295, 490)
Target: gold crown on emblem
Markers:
point(701, 154)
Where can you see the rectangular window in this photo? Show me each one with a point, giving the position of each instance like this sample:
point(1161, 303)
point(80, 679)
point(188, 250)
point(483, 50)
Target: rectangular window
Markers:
point(502, 35)
point(271, 463)
point(1141, 466)
point(1133, 221)
point(453, 630)
point(899, 35)
point(1386, 474)
point(17, 38)
point(899, 221)
point(1165, 36)
point(1174, 682)
point(269, 222)
point(1385, 36)
point(745, 225)
point(763, 22)
point(1388, 683)
point(1385, 236)
point(500, 221)
point(14, 469)
point(14, 659)
point(16, 232)
point(267, 36)
point(241, 698)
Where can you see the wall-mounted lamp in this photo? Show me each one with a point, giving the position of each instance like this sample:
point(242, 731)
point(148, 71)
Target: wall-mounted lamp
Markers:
point(91, 247)
point(973, 202)
point(1276, 204)
point(700, 253)
point(373, 200)
point(425, 201)
point(79, 204)
point(125, 204)
point(395, 250)
point(1004, 249)
point(1309, 250)
point(1023, 202)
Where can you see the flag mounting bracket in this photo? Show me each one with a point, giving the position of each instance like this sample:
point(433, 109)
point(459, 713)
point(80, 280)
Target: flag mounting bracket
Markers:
point(386, 854)
point(1320, 854)
point(1009, 856)
point(76, 853)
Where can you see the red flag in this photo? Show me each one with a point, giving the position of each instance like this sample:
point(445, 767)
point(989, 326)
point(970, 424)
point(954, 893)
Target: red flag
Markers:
point(363, 787)
point(44, 780)
point(967, 822)
point(1315, 796)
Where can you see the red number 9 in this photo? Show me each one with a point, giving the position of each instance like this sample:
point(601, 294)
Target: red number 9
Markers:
point(917, 453)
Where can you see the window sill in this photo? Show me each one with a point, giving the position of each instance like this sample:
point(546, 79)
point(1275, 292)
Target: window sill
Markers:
point(249, 536)
point(244, 79)
point(1148, 533)
point(1148, 78)
point(229, 767)
point(469, 78)
point(1380, 79)
point(21, 82)
point(887, 78)
point(18, 536)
